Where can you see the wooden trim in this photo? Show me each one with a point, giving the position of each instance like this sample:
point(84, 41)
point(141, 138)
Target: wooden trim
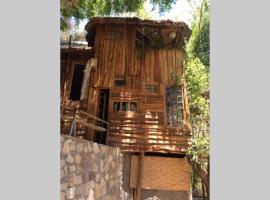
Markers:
point(121, 111)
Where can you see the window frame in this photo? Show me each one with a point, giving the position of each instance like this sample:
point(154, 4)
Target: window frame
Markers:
point(122, 101)
point(182, 109)
point(120, 78)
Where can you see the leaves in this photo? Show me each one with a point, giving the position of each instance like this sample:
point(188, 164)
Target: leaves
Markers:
point(81, 9)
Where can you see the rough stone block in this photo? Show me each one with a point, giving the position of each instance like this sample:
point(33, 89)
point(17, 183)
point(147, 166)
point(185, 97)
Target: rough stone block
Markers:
point(64, 187)
point(98, 191)
point(79, 147)
point(72, 146)
point(69, 159)
point(77, 180)
point(72, 168)
point(78, 159)
point(90, 149)
point(66, 148)
point(95, 148)
point(62, 163)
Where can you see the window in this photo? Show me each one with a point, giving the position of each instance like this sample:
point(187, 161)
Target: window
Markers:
point(151, 88)
point(114, 35)
point(116, 106)
point(120, 82)
point(125, 106)
point(174, 106)
point(77, 80)
point(133, 106)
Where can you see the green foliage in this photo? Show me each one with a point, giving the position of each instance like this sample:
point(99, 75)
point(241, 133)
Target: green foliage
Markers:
point(81, 9)
point(199, 43)
point(196, 68)
point(197, 83)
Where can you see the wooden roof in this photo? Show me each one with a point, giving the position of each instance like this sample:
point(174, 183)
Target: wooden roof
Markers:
point(135, 21)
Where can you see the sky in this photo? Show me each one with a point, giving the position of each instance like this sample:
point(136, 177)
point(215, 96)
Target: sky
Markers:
point(181, 11)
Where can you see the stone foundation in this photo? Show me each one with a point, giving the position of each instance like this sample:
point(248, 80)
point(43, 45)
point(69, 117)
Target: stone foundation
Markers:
point(89, 171)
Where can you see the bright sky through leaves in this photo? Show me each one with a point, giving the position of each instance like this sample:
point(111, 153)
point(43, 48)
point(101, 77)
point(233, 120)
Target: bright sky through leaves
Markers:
point(181, 11)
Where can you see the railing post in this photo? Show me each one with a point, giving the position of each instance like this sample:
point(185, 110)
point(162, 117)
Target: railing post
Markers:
point(73, 125)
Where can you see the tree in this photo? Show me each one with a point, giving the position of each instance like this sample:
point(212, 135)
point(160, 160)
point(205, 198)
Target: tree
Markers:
point(197, 77)
point(199, 44)
point(81, 9)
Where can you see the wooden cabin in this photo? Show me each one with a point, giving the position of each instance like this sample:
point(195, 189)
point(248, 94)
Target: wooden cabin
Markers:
point(130, 92)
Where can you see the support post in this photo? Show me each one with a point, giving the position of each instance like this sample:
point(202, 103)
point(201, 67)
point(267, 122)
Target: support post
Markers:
point(140, 175)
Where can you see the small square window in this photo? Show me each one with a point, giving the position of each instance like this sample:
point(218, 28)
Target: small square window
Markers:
point(125, 106)
point(120, 82)
point(151, 88)
point(116, 106)
point(133, 106)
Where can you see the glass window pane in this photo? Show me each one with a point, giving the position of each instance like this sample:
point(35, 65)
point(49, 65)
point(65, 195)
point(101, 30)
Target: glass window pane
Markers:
point(133, 106)
point(174, 106)
point(119, 82)
point(116, 106)
point(125, 106)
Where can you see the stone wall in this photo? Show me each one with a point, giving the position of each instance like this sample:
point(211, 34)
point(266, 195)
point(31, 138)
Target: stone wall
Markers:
point(90, 171)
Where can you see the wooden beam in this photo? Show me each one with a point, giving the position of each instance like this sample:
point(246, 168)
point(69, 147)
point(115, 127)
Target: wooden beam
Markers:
point(140, 177)
point(97, 128)
point(93, 117)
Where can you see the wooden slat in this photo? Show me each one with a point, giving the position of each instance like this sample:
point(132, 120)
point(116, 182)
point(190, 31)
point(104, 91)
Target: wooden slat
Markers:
point(97, 128)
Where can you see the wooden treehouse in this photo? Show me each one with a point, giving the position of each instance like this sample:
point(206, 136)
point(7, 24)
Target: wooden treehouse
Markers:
point(127, 90)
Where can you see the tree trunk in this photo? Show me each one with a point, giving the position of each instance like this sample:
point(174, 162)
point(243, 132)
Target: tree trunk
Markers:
point(201, 173)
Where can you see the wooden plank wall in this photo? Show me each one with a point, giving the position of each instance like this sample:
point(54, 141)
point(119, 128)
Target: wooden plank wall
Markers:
point(68, 59)
point(117, 58)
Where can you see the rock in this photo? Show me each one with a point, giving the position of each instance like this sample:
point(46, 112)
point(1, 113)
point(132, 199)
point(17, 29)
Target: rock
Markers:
point(66, 148)
point(62, 174)
point(72, 146)
point(62, 163)
point(64, 187)
point(91, 195)
point(101, 164)
point(69, 159)
point(77, 180)
point(102, 182)
point(103, 148)
point(113, 164)
point(79, 147)
point(107, 197)
point(95, 148)
point(91, 184)
point(70, 193)
point(78, 159)
point(72, 168)
point(101, 156)
point(97, 177)
point(110, 158)
point(93, 156)
point(104, 191)
point(93, 167)
point(90, 149)
point(107, 177)
point(98, 190)
point(78, 170)
point(85, 148)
